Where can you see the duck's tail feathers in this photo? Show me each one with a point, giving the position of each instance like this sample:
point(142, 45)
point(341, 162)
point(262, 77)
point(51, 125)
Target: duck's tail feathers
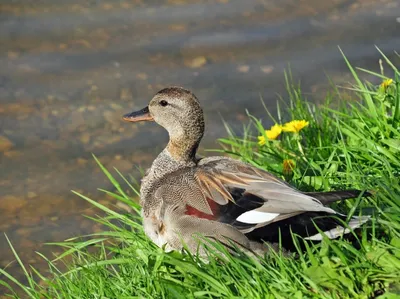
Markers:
point(339, 230)
point(332, 196)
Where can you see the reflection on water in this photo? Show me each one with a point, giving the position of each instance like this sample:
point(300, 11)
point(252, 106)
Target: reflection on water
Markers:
point(70, 69)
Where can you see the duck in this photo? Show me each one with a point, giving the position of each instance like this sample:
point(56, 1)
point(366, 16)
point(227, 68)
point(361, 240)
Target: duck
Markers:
point(186, 198)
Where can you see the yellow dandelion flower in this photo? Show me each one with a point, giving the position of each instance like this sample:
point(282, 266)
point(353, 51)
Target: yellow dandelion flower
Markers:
point(288, 166)
point(261, 140)
point(274, 132)
point(385, 84)
point(271, 134)
point(295, 126)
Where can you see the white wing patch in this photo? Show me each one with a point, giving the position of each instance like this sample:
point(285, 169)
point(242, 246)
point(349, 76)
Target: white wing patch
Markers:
point(340, 230)
point(255, 217)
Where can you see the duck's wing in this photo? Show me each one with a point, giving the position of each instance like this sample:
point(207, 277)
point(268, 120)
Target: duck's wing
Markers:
point(246, 197)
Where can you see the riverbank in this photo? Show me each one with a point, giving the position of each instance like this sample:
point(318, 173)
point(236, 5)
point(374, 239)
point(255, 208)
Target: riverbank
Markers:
point(352, 140)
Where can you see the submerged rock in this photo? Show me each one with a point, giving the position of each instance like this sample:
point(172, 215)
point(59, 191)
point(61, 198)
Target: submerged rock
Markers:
point(5, 144)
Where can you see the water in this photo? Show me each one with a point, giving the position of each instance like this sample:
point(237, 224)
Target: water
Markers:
point(70, 69)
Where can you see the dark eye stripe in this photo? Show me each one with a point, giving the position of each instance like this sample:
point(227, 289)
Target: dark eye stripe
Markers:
point(163, 103)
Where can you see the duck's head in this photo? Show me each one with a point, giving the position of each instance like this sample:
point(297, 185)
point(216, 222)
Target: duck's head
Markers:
point(179, 112)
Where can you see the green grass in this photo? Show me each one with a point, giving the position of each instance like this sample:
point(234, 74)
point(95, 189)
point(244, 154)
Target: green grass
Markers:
point(352, 141)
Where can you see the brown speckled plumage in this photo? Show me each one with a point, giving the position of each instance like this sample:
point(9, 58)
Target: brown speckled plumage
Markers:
point(183, 196)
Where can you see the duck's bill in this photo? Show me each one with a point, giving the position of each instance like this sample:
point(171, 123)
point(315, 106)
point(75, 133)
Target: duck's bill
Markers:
point(141, 115)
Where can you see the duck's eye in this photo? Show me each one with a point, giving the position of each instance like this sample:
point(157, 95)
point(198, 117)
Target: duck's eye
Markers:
point(163, 103)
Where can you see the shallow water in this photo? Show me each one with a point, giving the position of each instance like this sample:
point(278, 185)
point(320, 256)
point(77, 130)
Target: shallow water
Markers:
point(70, 69)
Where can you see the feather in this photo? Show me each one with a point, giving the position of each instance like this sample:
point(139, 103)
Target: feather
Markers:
point(339, 230)
point(255, 217)
point(332, 196)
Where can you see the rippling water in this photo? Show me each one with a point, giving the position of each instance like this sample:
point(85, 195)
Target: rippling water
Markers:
point(70, 69)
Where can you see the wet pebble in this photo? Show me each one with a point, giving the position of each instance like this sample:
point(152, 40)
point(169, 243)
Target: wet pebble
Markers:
point(11, 203)
point(195, 62)
point(243, 68)
point(124, 207)
point(12, 154)
point(12, 55)
point(31, 194)
point(85, 138)
point(178, 27)
point(116, 106)
point(18, 109)
point(81, 161)
point(5, 144)
point(267, 69)
point(142, 76)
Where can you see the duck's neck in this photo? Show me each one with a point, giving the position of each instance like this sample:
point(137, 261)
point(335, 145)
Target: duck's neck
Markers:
point(184, 141)
point(182, 151)
point(179, 153)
